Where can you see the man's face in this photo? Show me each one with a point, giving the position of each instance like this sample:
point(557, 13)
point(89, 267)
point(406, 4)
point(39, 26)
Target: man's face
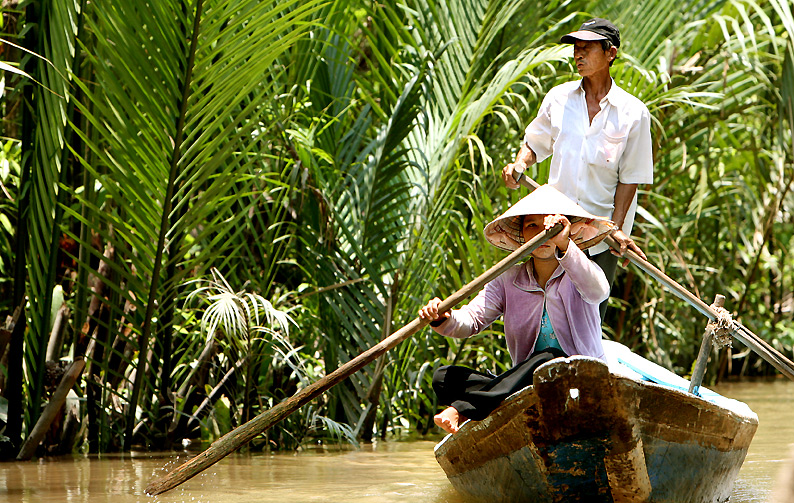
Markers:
point(590, 57)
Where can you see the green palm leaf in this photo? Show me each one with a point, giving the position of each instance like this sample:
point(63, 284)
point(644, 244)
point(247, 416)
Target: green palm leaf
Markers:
point(177, 94)
point(46, 162)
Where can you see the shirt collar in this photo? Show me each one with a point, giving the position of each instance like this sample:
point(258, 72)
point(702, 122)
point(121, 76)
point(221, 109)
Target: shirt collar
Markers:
point(525, 279)
point(615, 96)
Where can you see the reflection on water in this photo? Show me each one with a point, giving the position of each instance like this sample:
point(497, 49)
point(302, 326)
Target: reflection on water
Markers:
point(774, 404)
point(389, 472)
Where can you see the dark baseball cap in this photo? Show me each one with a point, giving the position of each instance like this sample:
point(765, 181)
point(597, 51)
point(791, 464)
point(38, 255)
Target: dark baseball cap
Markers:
point(594, 29)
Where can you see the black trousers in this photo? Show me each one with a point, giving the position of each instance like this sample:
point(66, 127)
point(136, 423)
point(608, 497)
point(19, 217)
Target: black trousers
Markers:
point(475, 395)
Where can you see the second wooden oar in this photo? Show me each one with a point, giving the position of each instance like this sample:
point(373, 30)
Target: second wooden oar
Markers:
point(248, 431)
point(739, 331)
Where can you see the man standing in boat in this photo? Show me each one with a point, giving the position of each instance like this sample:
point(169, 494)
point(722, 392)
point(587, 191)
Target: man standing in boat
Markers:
point(598, 137)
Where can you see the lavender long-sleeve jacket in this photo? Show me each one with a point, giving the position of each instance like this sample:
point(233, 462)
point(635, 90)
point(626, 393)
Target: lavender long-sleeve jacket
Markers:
point(572, 296)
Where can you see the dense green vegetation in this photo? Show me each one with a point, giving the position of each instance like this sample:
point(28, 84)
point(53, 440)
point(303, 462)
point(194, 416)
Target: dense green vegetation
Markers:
point(216, 202)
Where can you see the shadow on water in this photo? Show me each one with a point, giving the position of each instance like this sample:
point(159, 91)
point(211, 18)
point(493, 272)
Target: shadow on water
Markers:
point(398, 472)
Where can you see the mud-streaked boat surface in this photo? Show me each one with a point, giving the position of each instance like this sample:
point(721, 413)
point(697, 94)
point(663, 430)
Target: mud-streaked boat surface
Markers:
point(588, 431)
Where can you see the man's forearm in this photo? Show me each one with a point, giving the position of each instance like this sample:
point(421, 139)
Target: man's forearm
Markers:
point(525, 156)
point(624, 194)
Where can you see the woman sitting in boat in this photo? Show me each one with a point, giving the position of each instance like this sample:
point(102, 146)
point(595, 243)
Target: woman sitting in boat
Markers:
point(550, 305)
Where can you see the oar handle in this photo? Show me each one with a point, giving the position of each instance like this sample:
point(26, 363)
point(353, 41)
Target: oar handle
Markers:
point(248, 431)
point(499, 268)
point(739, 331)
point(526, 181)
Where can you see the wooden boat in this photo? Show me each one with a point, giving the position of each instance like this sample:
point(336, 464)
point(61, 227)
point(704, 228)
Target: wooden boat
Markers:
point(589, 431)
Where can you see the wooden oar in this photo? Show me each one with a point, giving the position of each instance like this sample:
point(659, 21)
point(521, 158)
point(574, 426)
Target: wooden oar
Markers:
point(739, 331)
point(248, 431)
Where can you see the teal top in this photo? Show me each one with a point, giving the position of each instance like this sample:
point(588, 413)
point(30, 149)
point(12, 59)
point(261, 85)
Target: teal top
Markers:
point(546, 337)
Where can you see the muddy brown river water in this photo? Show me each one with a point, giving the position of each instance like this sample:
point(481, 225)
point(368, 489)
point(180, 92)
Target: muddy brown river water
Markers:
point(398, 472)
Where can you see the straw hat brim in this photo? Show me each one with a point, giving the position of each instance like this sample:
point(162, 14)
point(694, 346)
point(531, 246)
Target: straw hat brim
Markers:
point(587, 230)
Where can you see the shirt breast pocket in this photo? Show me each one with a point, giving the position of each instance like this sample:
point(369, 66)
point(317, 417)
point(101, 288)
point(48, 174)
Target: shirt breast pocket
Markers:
point(607, 149)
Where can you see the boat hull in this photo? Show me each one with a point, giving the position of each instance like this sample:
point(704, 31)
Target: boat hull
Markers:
point(581, 433)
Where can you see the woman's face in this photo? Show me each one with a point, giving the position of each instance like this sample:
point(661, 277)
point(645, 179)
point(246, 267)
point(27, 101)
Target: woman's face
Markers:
point(533, 225)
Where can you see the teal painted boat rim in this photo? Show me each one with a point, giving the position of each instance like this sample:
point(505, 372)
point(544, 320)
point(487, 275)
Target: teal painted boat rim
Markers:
point(623, 362)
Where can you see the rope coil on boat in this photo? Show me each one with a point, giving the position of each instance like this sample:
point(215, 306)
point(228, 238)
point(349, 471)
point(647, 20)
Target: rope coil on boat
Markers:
point(720, 328)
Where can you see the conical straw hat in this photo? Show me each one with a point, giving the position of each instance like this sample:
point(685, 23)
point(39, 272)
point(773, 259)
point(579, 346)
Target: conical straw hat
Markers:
point(586, 229)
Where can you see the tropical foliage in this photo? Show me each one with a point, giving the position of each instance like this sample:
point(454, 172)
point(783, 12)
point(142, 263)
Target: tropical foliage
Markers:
point(313, 171)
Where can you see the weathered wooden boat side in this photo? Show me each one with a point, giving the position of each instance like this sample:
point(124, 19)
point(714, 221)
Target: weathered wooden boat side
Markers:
point(582, 433)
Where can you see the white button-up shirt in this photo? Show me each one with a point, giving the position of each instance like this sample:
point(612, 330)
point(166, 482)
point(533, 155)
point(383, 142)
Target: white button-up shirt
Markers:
point(588, 160)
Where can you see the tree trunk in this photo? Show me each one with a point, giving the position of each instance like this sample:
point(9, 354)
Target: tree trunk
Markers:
point(56, 336)
point(94, 385)
point(52, 409)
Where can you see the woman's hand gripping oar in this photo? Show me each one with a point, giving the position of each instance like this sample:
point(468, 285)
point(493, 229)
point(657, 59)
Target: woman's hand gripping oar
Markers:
point(248, 431)
point(739, 331)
